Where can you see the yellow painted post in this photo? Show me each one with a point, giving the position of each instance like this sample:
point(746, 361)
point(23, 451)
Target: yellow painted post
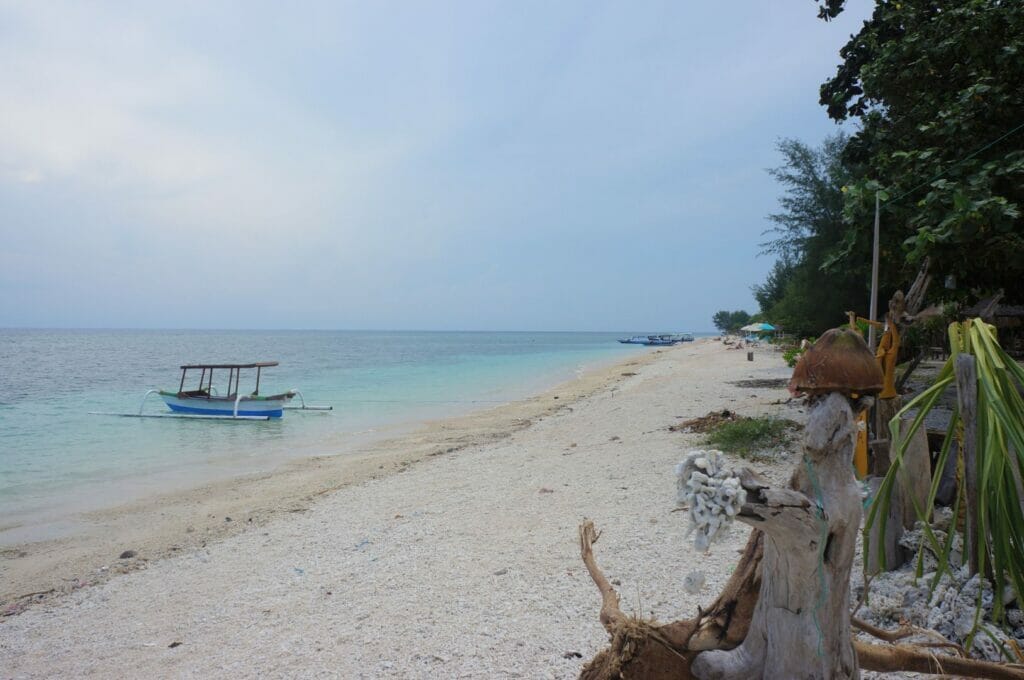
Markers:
point(888, 351)
point(860, 452)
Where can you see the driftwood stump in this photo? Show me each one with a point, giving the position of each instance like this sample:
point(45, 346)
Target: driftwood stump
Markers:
point(643, 650)
point(801, 625)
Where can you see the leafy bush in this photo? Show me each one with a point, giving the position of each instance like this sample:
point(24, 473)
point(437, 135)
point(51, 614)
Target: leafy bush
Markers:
point(730, 322)
point(792, 354)
point(747, 437)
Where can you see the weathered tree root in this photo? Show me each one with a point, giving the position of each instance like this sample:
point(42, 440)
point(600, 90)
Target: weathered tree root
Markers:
point(905, 631)
point(643, 650)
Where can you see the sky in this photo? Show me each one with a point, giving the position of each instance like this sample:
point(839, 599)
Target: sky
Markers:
point(398, 165)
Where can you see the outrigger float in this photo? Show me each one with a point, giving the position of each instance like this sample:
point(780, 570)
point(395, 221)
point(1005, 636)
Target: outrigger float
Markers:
point(205, 403)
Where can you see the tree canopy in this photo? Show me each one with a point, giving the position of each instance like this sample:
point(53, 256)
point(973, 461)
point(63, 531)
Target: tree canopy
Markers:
point(936, 90)
point(811, 286)
point(727, 321)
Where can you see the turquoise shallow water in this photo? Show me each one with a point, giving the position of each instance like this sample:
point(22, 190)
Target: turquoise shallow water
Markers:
point(55, 455)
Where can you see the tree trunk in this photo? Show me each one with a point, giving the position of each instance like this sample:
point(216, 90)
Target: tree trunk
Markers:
point(801, 624)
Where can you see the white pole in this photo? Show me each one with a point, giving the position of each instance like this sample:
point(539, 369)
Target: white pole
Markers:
point(873, 314)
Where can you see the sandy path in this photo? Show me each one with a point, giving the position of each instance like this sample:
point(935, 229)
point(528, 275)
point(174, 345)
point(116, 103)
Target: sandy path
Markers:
point(462, 565)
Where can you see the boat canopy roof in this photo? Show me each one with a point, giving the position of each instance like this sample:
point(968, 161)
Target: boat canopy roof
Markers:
point(255, 364)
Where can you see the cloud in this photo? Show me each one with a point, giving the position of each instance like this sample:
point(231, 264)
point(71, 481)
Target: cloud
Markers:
point(393, 160)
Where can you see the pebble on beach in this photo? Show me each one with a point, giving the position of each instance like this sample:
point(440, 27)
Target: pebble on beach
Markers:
point(693, 582)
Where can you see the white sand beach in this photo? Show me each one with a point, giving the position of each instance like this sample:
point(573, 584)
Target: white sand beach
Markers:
point(448, 552)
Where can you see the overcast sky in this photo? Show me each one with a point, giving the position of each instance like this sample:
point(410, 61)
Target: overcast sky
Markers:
point(397, 165)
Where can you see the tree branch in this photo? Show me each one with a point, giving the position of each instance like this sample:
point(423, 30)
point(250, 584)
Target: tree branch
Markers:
point(611, 614)
point(893, 658)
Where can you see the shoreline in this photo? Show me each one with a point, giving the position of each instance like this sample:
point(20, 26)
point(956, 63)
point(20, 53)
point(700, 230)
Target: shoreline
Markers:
point(452, 554)
point(38, 509)
point(181, 518)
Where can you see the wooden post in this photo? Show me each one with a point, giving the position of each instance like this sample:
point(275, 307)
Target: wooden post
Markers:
point(947, 491)
point(912, 487)
point(967, 397)
point(1015, 471)
point(889, 543)
point(884, 410)
point(873, 312)
point(915, 475)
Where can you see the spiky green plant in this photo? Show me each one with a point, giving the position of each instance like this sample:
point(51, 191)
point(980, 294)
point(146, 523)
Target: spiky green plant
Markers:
point(999, 461)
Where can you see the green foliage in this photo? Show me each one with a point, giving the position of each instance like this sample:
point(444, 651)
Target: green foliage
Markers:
point(771, 292)
point(999, 457)
point(748, 436)
point(830, 9)
point(792, 355)
point(936, 90)
point(729, 322)
point(802, 294)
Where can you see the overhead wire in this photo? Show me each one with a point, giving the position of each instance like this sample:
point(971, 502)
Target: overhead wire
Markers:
point(955, 165)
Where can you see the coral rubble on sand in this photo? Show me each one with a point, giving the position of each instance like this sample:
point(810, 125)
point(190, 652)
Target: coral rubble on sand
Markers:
point(712, 493)
point(896, 598)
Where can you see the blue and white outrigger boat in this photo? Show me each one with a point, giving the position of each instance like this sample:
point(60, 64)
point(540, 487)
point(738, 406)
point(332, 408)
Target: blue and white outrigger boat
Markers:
point(205, 402)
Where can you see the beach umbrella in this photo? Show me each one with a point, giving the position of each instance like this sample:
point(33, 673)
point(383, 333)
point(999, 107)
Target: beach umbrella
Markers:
point(757, 327)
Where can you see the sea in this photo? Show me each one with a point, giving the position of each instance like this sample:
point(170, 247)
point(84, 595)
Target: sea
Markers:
point(58, 457)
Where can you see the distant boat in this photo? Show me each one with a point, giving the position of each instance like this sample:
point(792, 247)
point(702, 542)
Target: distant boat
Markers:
point(663, 340)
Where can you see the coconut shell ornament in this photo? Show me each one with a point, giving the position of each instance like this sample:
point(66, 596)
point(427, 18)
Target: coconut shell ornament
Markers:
point(839, 361)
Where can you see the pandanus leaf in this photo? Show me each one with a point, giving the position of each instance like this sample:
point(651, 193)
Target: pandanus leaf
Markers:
point(999, 448)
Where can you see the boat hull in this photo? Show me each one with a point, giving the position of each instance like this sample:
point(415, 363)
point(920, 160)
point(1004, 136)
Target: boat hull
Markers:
point(272, 407)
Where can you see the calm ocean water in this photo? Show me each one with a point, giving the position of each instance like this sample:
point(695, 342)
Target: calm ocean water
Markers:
point(54, 456)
